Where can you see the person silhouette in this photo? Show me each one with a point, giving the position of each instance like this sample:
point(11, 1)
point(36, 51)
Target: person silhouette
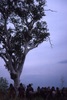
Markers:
point(29, 92)
point(21, 91)
point(11, 91)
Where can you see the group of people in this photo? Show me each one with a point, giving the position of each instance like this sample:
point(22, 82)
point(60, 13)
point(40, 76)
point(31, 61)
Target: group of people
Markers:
point(22, 92)
point(12, 91)
point(46, 93)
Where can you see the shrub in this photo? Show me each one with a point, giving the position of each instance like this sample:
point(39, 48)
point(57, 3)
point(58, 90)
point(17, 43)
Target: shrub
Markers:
point(3, 84)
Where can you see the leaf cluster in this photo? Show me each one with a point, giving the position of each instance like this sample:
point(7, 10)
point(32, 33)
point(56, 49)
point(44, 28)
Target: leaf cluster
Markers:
point(21, 28)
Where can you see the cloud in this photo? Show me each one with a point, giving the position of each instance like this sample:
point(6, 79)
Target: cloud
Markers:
point(63, 62)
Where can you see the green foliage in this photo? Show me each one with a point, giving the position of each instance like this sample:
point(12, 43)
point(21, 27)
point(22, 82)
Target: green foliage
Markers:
point(3, 84)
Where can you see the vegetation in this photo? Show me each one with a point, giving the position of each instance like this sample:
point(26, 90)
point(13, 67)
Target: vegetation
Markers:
point(21, 30)
point(3, 84)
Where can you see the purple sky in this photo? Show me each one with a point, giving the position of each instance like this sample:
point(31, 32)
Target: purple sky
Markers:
point(45, 66)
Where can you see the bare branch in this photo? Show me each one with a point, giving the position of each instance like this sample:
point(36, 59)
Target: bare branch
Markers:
point(50, 10)
point(50, 42)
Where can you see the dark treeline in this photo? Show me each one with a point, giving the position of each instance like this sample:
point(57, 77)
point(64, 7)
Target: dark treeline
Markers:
point(28, 93)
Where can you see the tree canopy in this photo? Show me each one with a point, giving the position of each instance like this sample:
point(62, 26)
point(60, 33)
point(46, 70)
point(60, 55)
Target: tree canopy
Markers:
point(21, 30)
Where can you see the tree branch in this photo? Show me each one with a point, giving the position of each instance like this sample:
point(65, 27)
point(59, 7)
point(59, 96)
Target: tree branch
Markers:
point(50, 10)
point(3, 57)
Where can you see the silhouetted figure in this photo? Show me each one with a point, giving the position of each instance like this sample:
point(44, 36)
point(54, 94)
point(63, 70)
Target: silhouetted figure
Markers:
point(11, 91)
point(50, 94)
point(58, 94)
point(21, 90)
point(29, 92)
point(53, 93)
point(38, 92)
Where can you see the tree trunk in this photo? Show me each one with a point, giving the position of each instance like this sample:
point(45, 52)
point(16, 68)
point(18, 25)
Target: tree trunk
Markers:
point(16, 78)
point(15, 75)
point(16, 83)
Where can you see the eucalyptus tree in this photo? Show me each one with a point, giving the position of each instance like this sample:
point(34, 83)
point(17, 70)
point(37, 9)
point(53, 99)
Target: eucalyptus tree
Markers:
point(21, 30)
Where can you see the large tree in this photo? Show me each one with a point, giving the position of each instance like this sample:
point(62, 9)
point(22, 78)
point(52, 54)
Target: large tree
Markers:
point(21, 30)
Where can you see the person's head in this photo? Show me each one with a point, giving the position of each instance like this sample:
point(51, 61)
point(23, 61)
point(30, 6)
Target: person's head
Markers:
point(30, 85)
point(21, 84)
point(11, 85)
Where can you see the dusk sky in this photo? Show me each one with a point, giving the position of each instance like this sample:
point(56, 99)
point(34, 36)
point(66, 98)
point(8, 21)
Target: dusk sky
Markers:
point(46, 65)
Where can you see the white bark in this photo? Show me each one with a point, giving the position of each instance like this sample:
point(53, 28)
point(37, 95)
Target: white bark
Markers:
point(18, 73)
